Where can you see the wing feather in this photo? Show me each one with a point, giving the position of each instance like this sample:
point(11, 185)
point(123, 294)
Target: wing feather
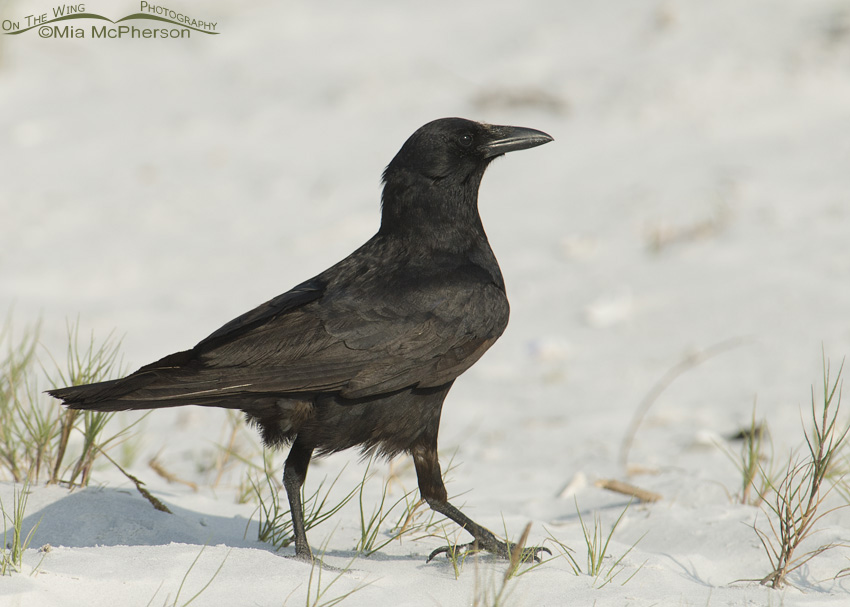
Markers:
point(334, 338)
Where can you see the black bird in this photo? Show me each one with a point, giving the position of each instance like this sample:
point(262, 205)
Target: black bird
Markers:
point(364, 353)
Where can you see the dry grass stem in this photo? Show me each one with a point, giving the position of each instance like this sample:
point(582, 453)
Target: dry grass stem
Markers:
point(626, 489)
point(157, 467)
point(689, 362)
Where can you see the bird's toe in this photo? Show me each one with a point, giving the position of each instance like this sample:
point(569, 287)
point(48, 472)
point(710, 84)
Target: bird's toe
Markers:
point(500, 549)
point(455, 551)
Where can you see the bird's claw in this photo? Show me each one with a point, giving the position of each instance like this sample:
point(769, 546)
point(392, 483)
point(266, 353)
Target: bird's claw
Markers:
point(532, 553)
point(455, 551)
point(500, 549)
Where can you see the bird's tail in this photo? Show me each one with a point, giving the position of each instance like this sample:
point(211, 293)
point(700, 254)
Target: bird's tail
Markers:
point(144, 389)
point(113, 395)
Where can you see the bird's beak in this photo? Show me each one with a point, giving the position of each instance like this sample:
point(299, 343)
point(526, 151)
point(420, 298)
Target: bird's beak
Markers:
point(506, 139)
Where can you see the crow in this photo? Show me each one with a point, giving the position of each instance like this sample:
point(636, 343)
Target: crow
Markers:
point(365, 353)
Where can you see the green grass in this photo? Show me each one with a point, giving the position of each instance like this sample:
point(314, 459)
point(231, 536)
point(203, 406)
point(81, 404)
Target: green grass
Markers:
point(24, 435)
point(753, 482)
point(274, 518)
point(35, 432)
point(372, 525)
point(753, 461)
point(455, 553)
point(317, 592)
point(12, 550)
point(497, 593)
point(85, 364)
point(597, 541)
point(386, 522)
point(795, 504)
point(169, 602)
point(602, 566)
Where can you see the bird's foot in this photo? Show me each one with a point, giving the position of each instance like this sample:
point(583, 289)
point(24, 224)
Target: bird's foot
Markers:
point(456, 551)
point(532, 554)
point(315, 561)
point(304, 554)
point(500, 549)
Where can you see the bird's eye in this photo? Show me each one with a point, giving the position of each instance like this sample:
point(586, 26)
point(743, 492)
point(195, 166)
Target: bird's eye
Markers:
point(466, 140)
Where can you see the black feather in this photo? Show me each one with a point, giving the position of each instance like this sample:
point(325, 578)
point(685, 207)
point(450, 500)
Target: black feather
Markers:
point(364, 353)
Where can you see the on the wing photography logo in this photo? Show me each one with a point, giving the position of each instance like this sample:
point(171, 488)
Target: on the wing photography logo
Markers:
point(69, 21)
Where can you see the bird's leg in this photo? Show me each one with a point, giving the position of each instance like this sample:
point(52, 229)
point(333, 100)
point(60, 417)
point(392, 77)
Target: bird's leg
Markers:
point(294, 473)
point(433, 491)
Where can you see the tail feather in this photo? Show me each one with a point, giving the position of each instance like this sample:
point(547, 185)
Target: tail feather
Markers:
point(145, 390)
point(177, 380)
point(129, 392)
point(91, 398)
point(105, 396)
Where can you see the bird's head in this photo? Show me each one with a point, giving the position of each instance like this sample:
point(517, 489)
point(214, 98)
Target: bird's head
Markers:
point(456, 149)
point(434, 178)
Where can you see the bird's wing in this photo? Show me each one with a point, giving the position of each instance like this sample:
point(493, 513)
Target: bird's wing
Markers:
point(302, 294)
point(425, 348)
point(337, 346)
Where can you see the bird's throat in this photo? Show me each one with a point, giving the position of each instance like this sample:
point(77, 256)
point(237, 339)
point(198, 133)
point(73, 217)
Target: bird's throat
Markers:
point(441, 216)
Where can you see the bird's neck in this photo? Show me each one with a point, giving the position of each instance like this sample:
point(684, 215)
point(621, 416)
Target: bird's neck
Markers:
point(435, 215)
